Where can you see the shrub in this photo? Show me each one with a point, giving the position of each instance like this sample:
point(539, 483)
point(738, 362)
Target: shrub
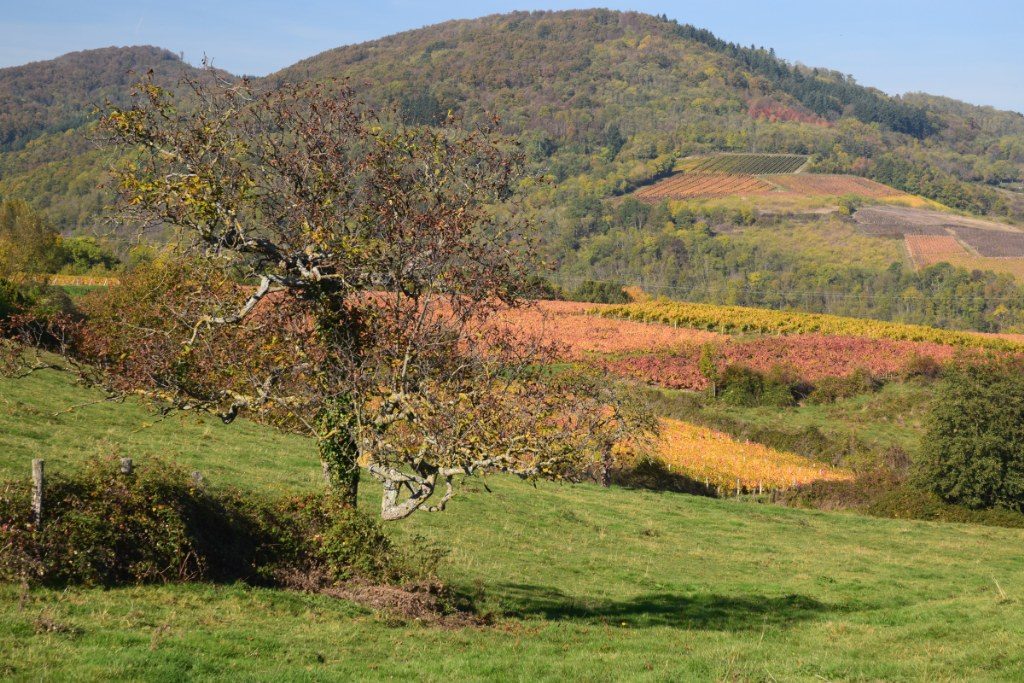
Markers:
point(973, 451)
point(12, 299)
point(921, 366)
point(601, 293)
point(831, 389)
point(740, 385)
point(883, 493)
point(156, 525)
point(322, 539)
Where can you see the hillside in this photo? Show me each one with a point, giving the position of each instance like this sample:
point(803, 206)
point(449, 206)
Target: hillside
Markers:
point(59, 94)
point(49, 151)
point(658, 586)
point(606, 103)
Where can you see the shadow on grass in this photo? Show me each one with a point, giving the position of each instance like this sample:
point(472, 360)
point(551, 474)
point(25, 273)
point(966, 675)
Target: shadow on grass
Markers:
point(655, 475)
point(711, 612)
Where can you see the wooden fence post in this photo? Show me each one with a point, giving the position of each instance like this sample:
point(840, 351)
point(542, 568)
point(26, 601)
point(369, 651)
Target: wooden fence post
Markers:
point(37, 493)
point(126, 465)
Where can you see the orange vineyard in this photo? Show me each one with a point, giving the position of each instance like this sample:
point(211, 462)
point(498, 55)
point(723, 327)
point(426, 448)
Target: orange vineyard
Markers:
point(579, 333)
point(702, 453)
point(704, 186)
point(928, 249)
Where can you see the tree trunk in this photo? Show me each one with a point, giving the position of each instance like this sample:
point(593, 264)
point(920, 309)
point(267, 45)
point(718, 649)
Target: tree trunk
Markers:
point(337, 325)
point(606, 470)
point(339, 454)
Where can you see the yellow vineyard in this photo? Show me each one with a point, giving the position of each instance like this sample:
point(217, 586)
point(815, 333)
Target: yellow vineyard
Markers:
point(704, 454)
point(743, 320)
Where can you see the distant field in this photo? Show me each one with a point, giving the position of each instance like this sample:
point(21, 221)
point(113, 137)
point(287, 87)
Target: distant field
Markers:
point(660, 343)
point(704, 186)
point(897, 221)
point(993, 243)
point(580, 334)
point(926, 250)
point(747, 320)
point(743, 164)
point(809, 184)
point(936, 237)
point(811, 356)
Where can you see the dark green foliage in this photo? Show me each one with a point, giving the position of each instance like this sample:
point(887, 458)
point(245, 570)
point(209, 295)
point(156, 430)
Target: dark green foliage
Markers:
point(973, 452)
point(80, 255)
point(339, 452)
point(12, 299)
point(740, 385)
point(157, 525)
point(919, 366)
point(882, 492)
point(538, 287)
point(601, 293)
point(831, 389)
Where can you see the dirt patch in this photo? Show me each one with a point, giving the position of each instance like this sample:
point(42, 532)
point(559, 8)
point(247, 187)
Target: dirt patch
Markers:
point(427, 603)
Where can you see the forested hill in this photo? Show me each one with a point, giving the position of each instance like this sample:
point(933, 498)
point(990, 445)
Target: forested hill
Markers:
point(60, 94)
point(608, 97)
point(603, 78)
point(605, 102)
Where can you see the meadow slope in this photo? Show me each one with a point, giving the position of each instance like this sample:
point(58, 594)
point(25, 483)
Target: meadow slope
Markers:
point(584, 583)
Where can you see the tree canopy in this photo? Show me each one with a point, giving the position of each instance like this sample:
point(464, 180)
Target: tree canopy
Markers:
point(339, 273)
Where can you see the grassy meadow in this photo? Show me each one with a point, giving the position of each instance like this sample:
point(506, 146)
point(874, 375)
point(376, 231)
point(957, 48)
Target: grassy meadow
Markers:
point(583, 583)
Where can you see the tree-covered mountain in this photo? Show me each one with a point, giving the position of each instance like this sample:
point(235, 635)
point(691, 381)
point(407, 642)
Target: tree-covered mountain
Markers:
point(60, 94)
point(604, 102)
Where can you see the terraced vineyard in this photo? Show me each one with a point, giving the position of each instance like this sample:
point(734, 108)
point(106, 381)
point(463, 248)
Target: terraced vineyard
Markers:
point(704, 186)
point(744, 164)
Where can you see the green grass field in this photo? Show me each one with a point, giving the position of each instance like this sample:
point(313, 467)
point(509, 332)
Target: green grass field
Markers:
point(584, 583)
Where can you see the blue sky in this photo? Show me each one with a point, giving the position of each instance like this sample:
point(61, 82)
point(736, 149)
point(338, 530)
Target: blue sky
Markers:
point(973, 51)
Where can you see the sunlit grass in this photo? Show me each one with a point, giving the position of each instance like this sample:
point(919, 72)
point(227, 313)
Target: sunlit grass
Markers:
point(584, 582)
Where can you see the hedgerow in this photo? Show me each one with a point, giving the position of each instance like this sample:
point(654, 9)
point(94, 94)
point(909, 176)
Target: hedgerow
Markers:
point(157, 525)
